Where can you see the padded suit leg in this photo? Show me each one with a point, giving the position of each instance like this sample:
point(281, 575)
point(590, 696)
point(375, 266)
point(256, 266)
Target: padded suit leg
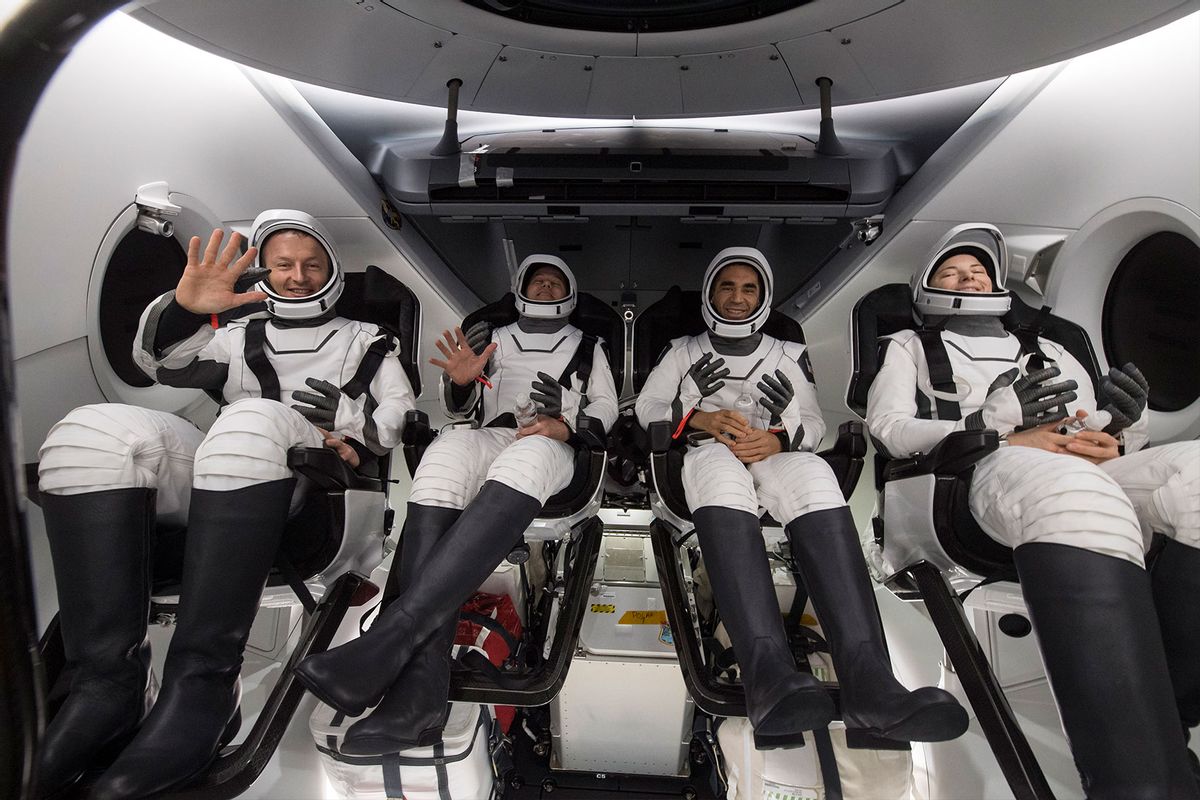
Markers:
point(825, 545)
point(100, 543)
point(781, 701)
point(1176, 584)
point(414, 710)
point(355, 676)
point(1098, 632)
point(233, 537)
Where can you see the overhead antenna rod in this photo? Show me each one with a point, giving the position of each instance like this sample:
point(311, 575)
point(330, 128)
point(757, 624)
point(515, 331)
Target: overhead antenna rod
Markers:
point(448, 145)
point(828, 144)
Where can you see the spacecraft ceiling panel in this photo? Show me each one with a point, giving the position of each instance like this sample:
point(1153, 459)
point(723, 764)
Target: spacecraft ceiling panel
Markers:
point(404, 49)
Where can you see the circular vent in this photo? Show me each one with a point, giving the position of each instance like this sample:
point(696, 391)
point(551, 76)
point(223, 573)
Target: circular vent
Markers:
point(636, 16)
point(1152, 315)
point(142, 267)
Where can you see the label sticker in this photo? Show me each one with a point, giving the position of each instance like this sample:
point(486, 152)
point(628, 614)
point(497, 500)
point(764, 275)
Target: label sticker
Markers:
point(603, 608)
point(665, 636)
point(646, 617)
point(780, 791)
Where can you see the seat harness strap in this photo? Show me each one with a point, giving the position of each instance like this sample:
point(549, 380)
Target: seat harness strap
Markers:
point(941, 375)
point(268, 380)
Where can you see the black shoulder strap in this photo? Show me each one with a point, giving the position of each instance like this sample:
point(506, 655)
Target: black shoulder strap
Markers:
point(369, 366)
point(257, 361)
point(941, 375)
point(1027, 336)
point(580, 363)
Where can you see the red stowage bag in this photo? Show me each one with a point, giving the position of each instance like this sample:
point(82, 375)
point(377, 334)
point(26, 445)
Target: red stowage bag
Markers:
point(497, 646)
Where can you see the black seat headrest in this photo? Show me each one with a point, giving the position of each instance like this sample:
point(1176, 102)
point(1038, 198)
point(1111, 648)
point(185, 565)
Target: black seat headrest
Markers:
point(888, 309)
point(380, 298)
point(1069, 334)
point(591, 315)
point(677, 313)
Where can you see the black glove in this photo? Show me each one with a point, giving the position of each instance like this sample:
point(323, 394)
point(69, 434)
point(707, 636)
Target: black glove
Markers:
point(479, 336)
point(1024, 403)
point(777, 394)
point(707, 374)
point(1127, 392)
point(321, 409)
point(547, 395)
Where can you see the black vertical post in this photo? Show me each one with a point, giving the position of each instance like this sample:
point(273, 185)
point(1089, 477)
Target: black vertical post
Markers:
point(32, 45)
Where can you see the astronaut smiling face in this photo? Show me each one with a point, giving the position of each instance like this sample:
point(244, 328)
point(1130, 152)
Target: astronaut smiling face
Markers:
point(736, 291)
point(299, 264)
point(547, 283)
point(961, 273)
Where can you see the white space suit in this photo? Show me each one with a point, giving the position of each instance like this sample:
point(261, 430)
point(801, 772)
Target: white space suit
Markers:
point(1078, 530)
point(109, 471)
point(769, 382)
point(1020, 494)
point(461, 459)
point(108, 446)
point(788, 484)
point(474, 494)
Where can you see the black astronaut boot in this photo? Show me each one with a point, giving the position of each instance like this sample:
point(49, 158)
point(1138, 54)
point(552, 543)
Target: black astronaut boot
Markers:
point(826, 548)
point(1096, 625)
point(781, 701)
point(232, 540)
point(355, 676)
point(101, 544)
point(1175, 579)
point(414, 710)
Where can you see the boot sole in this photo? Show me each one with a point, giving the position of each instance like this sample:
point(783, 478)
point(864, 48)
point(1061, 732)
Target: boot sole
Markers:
point(319, 692)
point(104, 759)
point(381, 745)
point(230, 731)
point(805, 710)
point(937, 723)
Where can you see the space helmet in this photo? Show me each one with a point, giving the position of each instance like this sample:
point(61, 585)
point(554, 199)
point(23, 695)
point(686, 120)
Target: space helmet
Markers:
point(740, 328)
point(281, 306)
point(985, 243)
point(543, 309)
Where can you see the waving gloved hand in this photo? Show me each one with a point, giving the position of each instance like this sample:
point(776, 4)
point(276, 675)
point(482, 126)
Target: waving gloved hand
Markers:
point(319, 408)
point(777, 394)
point(1127, 392)
point(1024, 402)
point(547, 394)
point(707, 374)
point(479, 336)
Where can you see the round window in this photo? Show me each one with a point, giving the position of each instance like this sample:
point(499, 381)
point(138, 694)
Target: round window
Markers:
point(1152, 317)
point(142, 267)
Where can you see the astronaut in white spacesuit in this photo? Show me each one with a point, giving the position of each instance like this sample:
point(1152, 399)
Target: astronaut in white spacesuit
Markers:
point(1067, 492)
point(295, 374)
point(751, 406)
point(473, 495)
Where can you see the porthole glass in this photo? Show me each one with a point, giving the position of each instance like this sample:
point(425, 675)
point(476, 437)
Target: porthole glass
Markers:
point(142, 267)
point(1152, 317)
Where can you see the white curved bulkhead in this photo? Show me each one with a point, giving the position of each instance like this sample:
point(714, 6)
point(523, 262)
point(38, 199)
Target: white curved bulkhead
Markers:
point(1074, 162)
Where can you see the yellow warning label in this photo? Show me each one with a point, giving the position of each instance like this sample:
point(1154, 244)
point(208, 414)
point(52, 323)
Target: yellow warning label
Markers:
point(643, 618)
point(603, 608)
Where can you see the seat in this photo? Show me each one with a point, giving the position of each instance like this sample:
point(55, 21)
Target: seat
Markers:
point(674, 315)
point(929, 538)
point(566, 534)
point(329, 549)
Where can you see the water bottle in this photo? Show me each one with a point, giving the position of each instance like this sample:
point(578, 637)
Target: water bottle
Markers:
point(524, 410)
point(744, 405)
